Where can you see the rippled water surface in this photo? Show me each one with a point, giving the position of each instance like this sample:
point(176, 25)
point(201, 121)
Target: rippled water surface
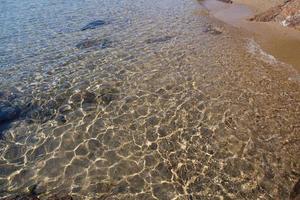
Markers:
point(157, 102)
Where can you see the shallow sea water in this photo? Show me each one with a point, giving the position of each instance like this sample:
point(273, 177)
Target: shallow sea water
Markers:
point(160, 102)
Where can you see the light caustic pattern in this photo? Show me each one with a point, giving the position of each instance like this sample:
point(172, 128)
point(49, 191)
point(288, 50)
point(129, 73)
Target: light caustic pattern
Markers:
point(157, 103)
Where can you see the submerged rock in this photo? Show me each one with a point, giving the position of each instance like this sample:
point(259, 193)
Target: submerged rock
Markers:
point(84, 97)
point(33, 197)
point(226, 1)
point(23, 108)
point(88, 97)
point(93, 25)
point(100, 43)
point(39, 113)
point(108, 94)
point(16, 106)
point(65, 108)
point(61, 119)
point(107, 98)
point(9, 95)
point(159, 39)
point(295, 193)
point(36, 189)
point(8, 113)
point(65, 197)
point(3, 127)
point(22, 198)
point(213, 30)
point(2, 94)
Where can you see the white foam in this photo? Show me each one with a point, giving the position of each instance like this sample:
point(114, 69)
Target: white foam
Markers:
point(286, 22)
point(256, 50)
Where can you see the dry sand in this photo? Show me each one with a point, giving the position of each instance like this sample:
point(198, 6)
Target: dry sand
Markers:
point(259, 5)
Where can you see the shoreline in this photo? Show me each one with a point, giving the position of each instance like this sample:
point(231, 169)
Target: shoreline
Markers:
point(283, 43)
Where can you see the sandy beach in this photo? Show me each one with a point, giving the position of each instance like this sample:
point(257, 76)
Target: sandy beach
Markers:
point(283, 43)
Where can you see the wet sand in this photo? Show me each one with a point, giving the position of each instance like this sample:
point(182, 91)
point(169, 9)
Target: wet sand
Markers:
point(281, 42)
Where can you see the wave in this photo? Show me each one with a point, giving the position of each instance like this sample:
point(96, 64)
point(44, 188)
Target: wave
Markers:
point(255, 49)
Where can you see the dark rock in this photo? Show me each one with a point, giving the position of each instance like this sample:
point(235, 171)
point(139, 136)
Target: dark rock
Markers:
point(108, 94)
point(60, 99)
point(65, 108)
point(7, 170)
point(4, 126)
point(61, 119)
point(122, 187)
point(23, 198)
point(2, 94)
point(40, 114)
point(185, 173)
point(153, 146)
point(35, 190)
point(85, 96)
point(199, 184)
point(51, 104)
point(109, 90)
point(8, 113)
point(151, 135)
point(34, 197)
point(14, 152)
point(136, 184)
point(226, 1)
point(206, 133)
point(61, 197)
point(38, 111)
point(94, 24)
point(88, 97)
point(164, 191)
point(100, 43)
point(213, 30)
point(295, 193)
point(152, 121)
point(107, 98)
point(76, 98)
point(16, 106)
point(232, 168)
point(163, 171)
point(159, 39)
point(163, 131)
point(91, 66)
point(9, 95)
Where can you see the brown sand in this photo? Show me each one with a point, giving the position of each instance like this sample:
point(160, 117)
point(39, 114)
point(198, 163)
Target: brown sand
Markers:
point(259, 5)
point(281, 42)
